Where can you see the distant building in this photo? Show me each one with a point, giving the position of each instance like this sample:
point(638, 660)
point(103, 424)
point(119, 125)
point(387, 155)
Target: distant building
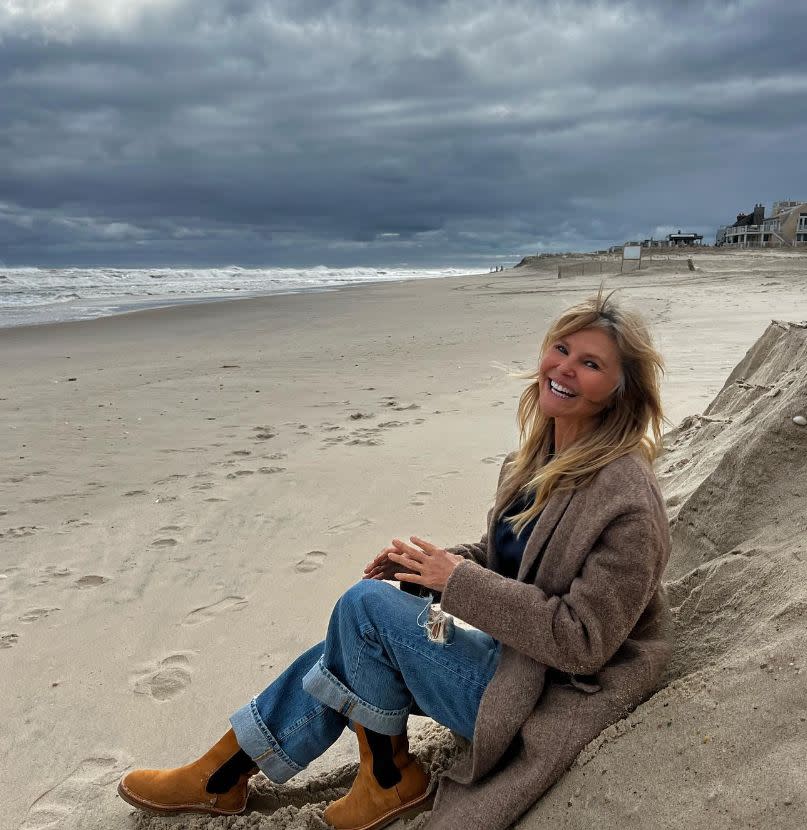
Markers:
point(785, 227)
point(676, 239)
point(673, 240)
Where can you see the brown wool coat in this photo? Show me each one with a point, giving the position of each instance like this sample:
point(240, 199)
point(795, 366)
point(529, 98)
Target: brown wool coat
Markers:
point(594, 607)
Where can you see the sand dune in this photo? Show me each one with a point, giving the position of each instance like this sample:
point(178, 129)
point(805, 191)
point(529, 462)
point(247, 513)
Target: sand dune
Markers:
point(723, 745)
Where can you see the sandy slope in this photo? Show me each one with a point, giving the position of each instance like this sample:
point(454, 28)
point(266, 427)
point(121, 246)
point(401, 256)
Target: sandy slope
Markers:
point(176, 522)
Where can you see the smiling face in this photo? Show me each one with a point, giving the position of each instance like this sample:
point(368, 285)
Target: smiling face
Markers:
point(578, 375)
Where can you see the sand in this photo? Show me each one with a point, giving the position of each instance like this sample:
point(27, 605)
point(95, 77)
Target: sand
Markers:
point(186, 491)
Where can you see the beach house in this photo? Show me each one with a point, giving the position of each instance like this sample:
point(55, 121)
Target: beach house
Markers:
point(785, 227)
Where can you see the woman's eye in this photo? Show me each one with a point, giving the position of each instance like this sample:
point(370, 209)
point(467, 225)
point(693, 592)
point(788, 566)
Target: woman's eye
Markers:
point(591, 364)
point(561, 348)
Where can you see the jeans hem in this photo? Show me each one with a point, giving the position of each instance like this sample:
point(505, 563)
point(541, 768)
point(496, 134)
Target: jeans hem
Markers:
point(261, 745)
point(328, 689)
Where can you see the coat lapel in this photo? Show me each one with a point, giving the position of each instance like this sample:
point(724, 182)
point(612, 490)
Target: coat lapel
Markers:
point(544, 528)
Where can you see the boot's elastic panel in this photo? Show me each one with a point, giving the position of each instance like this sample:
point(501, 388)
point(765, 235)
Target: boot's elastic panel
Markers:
point(384, 769)
point(229, 773)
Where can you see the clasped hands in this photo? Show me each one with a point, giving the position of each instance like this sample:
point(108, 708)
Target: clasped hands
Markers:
point(420, 562)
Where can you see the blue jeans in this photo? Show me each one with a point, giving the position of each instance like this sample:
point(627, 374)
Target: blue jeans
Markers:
point(376, 666)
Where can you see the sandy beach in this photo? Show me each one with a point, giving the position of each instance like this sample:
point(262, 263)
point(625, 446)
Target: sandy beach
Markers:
point(186, 491)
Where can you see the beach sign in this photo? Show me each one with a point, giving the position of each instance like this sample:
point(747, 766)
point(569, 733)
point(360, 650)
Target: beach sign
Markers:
point(632, 255)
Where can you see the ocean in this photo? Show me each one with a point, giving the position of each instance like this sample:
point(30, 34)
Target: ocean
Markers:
point(32, 296)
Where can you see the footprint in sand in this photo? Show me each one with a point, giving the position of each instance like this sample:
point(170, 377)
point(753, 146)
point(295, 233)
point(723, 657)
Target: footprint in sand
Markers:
point(34, 614)
point(20, 532)
point(168, 678)
point(419, 499)
point(206, 613)
point(48, 574)
point(7, 640)
point(72, 524)
point(365, 437)
point(263, 433)
point(268, 471)
point(74, 801)
point(347, 527)
point(447, 474)
point(90, 581)
point(241, 473)
point(331, 404)
point(214, 499)
point(136, 493)
point(165, 542)
point(205, 485)
point(495, 459)
point(169, 479)
point(241, 452)
point(312, 561)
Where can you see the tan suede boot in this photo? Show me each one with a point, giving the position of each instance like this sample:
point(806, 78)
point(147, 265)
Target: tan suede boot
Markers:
point(390, 784)
point(184, 789)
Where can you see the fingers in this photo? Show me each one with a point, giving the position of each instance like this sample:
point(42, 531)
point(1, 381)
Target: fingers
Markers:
point(409, 577)
point(415, 553)
point(410, 560)
point(405, 559)
point(422, 543)
point(380, 561)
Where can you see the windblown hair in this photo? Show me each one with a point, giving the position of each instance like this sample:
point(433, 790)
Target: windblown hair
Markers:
point(632, 421)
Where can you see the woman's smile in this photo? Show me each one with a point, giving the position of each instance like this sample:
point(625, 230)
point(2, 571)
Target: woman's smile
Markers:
point(559, 390)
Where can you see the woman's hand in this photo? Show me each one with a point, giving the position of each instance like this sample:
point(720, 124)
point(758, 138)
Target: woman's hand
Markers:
point(382, 567)
point(422, 563)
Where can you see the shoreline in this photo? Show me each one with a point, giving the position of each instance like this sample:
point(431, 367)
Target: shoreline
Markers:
point(147, 303)
point(658, 262)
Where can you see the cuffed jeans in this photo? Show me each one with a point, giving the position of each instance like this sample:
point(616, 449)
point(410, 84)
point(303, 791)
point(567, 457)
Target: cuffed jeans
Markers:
point(376, 666)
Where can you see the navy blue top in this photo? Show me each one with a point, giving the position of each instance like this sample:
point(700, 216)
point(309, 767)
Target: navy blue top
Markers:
point(509, 547)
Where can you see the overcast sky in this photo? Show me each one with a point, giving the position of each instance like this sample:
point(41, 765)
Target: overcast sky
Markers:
point(179, 132)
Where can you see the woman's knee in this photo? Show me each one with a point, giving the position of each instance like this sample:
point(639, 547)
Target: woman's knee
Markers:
point(365, 592)
point(368, 599)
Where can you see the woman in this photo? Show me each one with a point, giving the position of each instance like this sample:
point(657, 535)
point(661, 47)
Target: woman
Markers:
point(563, 593)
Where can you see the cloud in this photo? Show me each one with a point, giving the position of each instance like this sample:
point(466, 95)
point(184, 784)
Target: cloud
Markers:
point(304, 132)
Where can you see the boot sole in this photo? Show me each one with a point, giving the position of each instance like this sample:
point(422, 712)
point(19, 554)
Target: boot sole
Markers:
point(151, 807)
point(405, 811)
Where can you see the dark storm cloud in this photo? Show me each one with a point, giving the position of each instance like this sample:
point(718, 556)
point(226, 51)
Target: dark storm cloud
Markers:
point(339, 132)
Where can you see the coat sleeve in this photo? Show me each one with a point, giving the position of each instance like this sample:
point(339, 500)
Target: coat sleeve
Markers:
point(579, 631)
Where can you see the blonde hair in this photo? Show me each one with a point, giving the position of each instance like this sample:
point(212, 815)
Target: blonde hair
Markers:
point(634, 410)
